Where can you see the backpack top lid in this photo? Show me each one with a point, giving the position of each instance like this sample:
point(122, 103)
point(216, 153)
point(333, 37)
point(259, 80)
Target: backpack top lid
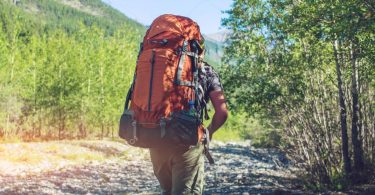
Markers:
point(168, 24)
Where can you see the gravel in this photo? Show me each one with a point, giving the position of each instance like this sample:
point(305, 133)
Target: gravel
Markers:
point(239, 169)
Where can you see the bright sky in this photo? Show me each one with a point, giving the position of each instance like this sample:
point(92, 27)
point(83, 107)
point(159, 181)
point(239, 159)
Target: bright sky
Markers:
point(207, 13)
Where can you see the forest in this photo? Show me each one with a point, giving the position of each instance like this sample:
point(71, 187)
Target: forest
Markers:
point(306, 69)
point(65, 79)
point(298, 75)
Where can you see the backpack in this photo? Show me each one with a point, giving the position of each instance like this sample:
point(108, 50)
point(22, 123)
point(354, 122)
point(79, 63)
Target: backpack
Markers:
point(164, 105)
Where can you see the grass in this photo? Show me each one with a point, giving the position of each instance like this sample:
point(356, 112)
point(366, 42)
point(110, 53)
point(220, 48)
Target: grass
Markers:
point(18, 158)
point(239, 127)
point(10, 139)
point(229, 131)
point(19, 153)
point(31, 159)
point(226, 135)
point(79, 150)
point(79, 157)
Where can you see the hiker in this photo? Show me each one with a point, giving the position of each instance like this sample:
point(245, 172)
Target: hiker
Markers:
point(180, 170)
point(169, 94)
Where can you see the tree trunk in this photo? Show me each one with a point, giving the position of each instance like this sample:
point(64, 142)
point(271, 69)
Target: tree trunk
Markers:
point(102, 100)
point(112, 132)
point(342, 107)
point(60, 125)
point(102, 131)
point(356, 141)
point(35, 98)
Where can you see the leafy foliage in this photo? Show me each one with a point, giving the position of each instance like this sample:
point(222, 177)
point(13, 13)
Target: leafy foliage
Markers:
point(281, 67)
point(65, 71)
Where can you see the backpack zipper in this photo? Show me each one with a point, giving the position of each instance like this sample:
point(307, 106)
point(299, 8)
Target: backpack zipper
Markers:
point(151, 79)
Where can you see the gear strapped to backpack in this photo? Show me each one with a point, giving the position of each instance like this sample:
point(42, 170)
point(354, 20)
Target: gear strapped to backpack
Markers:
point(164, 106)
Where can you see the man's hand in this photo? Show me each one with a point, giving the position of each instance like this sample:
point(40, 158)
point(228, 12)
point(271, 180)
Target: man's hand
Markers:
point(221, 111)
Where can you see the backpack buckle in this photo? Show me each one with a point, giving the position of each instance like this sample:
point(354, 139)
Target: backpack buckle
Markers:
point(135, 138)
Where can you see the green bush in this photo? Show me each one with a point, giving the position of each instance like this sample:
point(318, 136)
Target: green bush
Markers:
point(259, 134)
point(240, 126)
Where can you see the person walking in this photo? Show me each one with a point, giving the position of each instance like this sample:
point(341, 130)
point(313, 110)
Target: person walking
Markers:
point(180, 170)
point(169, 95)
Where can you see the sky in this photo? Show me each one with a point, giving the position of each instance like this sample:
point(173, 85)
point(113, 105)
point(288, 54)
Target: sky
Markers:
point(207, 13)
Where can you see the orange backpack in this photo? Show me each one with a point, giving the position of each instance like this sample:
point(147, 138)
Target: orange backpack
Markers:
point(165, 86)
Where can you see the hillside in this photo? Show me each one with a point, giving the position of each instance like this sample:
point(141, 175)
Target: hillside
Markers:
point(214, 51)
point(70, 15)
point(220, 36)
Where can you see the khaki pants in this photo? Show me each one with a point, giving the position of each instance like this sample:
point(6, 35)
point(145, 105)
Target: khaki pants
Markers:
point(180, 170)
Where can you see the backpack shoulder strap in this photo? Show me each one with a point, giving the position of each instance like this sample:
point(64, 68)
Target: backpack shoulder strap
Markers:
point(130, 91)
point(128, 97)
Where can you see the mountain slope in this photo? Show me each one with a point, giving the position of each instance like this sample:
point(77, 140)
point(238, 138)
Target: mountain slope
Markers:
point(70, 15)
point(220, 36)
point(214, 51)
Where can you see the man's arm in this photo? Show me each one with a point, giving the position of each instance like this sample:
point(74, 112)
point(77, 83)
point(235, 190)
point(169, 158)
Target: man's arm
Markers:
point(221, 111)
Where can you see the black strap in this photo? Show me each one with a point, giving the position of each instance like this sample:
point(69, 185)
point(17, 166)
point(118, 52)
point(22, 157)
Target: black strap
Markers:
point(128, 97)
point(206, 116)
point(194, 56)
point(151, 79)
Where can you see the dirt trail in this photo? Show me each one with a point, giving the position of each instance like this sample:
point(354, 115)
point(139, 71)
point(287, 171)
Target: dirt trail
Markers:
point(239, 169)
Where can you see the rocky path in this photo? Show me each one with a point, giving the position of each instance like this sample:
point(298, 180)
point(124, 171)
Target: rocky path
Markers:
point(239, 169)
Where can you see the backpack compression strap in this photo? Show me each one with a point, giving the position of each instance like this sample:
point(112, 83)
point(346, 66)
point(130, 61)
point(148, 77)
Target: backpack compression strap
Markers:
point(195, 82)
point(181, 63)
